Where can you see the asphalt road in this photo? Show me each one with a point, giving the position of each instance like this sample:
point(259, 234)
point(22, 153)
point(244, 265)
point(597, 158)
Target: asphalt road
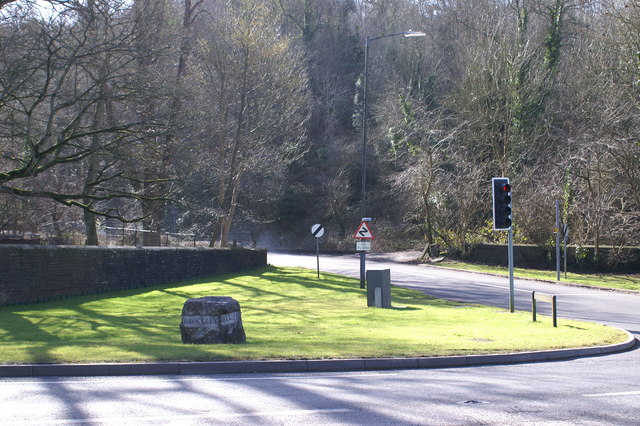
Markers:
point(594, 390)
point(606, 307)
point(585, 391)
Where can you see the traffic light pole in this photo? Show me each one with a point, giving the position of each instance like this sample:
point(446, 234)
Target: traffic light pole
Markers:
point(511, 285)
point(502, 221)
point(557, 240)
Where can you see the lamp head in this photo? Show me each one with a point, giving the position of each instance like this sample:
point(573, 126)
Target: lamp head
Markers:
point(414, 34)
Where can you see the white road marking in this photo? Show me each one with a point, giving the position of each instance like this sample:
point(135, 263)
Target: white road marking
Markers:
point(168, 417)
point(595, 395)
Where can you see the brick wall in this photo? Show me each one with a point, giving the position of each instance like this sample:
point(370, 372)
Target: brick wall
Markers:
point(35, 273)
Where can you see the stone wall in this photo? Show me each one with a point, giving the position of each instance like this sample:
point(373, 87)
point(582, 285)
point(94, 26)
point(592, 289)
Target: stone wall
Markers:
point(35, 273)
point(529, 256)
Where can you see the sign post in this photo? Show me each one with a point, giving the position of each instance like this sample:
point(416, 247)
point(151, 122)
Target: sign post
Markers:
point(317, 231)
point(363, 233)
point(565, 234)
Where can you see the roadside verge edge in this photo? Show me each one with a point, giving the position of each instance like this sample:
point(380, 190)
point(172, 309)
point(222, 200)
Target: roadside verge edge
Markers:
point(302, 366)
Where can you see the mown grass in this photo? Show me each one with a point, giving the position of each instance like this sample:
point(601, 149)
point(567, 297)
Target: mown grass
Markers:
point(287, 313)
point(617, 281)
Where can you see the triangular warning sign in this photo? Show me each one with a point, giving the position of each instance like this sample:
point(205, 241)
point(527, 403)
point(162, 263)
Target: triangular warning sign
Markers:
point(363, 232)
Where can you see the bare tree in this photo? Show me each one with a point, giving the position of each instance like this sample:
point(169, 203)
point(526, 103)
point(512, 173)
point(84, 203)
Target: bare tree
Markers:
point(50, 98)
point(257, 89)
point(601, 115)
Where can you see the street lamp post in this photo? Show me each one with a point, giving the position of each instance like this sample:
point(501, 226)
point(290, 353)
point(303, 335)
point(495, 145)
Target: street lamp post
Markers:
point(363, 201)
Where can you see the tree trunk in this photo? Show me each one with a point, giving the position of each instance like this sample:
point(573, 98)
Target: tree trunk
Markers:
point(91, 230)
point(228, 220)
point(151, 224)
point(215, 234)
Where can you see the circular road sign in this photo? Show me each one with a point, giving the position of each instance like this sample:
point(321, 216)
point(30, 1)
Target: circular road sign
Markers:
point(317, 230)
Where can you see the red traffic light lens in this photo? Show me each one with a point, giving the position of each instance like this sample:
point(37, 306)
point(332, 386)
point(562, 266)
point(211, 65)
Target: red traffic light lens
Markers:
point(506, 187)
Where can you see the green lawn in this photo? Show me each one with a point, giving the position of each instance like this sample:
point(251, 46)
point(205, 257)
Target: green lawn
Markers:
point(287, 313)
point(617, 281)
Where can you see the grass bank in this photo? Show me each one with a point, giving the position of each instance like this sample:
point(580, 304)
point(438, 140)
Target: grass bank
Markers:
point(615, 281)
point(287, 313)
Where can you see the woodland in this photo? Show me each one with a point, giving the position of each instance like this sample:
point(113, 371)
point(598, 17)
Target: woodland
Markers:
point(242, 120)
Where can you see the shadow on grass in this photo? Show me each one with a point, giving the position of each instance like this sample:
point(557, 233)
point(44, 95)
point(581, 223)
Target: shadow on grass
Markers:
point(144, 323)
point(142, 340)
point(403, 308)
point(85, 322)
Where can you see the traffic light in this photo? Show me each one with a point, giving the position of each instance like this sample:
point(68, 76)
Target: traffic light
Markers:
point(501, 204)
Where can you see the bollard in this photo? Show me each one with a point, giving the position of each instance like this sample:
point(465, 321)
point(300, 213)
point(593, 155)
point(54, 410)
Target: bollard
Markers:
point(544, 298)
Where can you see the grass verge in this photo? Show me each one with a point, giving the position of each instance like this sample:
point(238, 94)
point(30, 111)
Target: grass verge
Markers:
point(287, 313)
point(615, 281)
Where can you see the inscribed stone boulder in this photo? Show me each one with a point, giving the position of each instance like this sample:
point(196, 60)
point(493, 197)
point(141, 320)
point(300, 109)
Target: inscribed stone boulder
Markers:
point(212, 319)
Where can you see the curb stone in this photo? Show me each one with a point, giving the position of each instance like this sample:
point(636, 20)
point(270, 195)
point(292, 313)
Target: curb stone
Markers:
point(301, 366)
